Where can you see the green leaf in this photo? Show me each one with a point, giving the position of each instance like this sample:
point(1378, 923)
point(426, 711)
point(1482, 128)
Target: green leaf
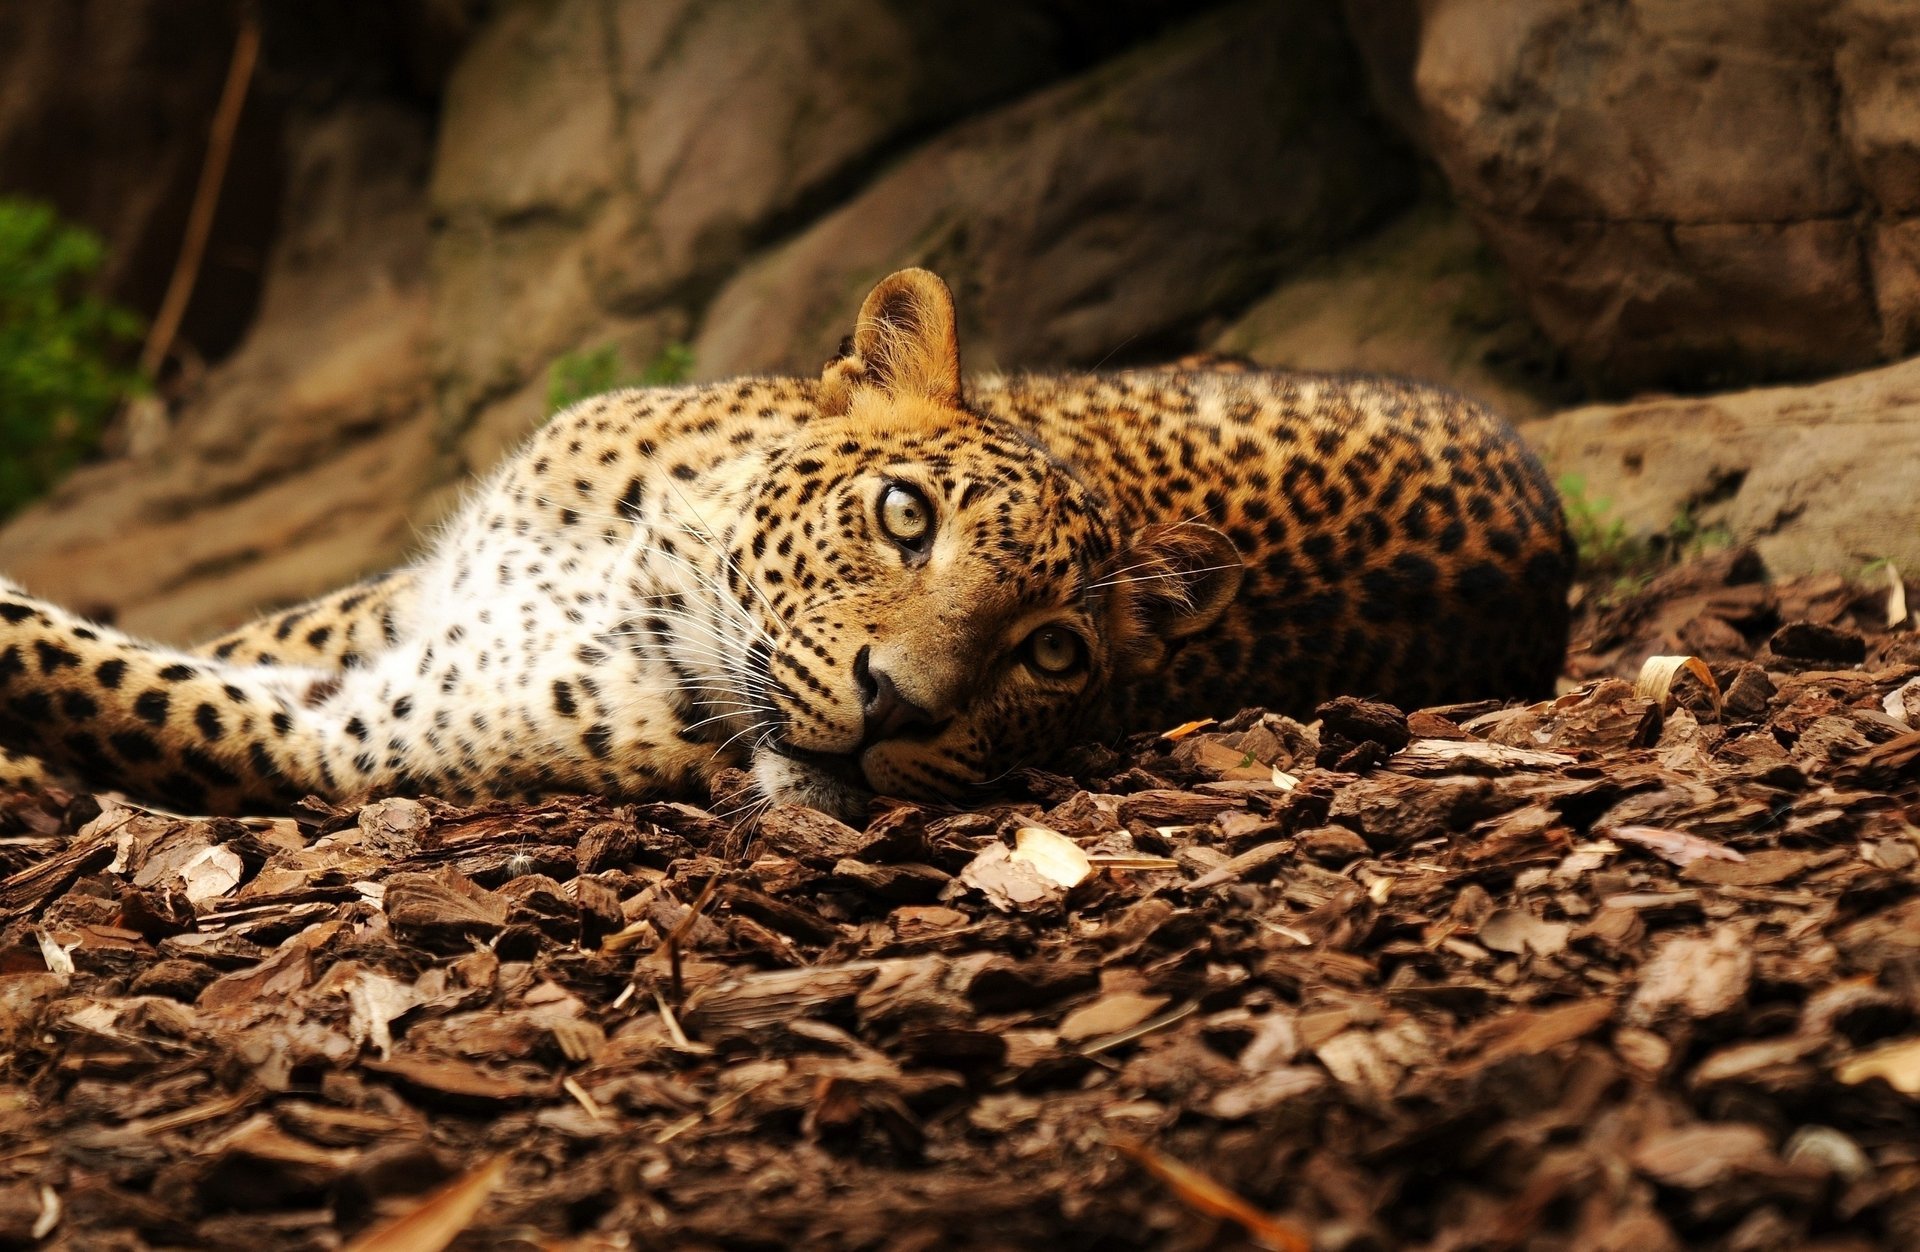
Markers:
point(60, 350)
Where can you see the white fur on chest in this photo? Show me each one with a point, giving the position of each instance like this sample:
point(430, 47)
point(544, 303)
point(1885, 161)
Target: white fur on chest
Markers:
point(535, 651)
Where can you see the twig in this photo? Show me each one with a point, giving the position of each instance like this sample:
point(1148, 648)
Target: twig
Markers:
point(1204, 1195)
point(679, 933)
point(206, 196)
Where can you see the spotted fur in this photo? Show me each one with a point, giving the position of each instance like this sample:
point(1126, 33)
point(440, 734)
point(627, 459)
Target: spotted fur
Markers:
point(670, 581)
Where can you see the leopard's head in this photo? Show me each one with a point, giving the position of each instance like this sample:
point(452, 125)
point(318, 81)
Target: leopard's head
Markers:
point(940, 598)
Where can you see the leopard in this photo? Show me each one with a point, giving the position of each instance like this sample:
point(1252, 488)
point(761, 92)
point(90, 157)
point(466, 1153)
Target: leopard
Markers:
point(886, 580)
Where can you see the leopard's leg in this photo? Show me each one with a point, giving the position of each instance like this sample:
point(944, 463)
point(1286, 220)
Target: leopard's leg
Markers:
point(335, 631)
point(20, 772)
point(163, 724)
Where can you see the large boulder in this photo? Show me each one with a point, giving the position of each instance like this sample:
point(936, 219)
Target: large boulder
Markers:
point(1106, 218)
point(1686, 192)
point(1419, 298)
point(603, 167)
point(1818, 478)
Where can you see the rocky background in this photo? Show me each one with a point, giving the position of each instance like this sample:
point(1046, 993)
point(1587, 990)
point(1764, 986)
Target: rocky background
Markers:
point(1687, 218)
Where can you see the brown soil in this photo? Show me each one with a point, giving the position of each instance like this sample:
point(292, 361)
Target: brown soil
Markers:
point(1609, 972)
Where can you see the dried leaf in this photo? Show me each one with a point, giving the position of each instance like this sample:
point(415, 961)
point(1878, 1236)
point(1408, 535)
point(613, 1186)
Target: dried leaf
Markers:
point(440, 1218)
point(1059, 859)
point(1008, 884)
point(1655, 682)
point(1187, 728)
point(216, 871)
point(1517, 932)
point(1527, 1032)
point(1896, 598)
point(49, 1215)
point(1902, 704)
point(1897, 1062)
point(1674, 846)
point(58, 958)
point(376, 1001)
point(1266, 1090)
point(1698, 1156)
point(1141, 1030)
point(1253, 858)
point(1694, 976)
point(1445, 756)
point(1108, 1014)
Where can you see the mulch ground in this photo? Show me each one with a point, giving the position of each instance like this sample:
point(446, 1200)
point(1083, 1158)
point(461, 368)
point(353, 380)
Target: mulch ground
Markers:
point(1616, 971)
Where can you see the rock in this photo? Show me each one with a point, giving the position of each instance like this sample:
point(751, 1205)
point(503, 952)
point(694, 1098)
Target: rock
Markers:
point(1332, 845)
point(600, 161)
point(1422, 298)
point(1814, 641)
point(1816, 478)
point(1108, 215)
point(1356, 734)
point(1683, 192)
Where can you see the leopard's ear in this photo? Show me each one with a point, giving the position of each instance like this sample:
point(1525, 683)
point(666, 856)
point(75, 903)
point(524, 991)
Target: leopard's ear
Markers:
point(1171, 582)
point(904, 344)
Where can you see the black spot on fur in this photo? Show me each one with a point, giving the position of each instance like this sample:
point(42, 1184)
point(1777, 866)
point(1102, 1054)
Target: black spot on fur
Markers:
point(184, 791)
point(135, 747)
point(207, 718)
point(263, 763)
point(176, 673)
point(15, 613)
point(53, 657)
point(629, 504)
point(599, 740)
point(151, 707)
point(109, 673)
point(206, 767)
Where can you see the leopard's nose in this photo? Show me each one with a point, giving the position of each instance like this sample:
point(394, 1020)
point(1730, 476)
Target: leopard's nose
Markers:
point(888, 713)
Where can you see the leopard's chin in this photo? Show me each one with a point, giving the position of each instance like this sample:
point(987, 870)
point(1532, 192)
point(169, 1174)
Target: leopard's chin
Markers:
point(831, 783)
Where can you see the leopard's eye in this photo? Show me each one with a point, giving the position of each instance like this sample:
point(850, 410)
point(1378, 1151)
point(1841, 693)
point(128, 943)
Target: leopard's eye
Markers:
point(1055, 650)
point(905, 515)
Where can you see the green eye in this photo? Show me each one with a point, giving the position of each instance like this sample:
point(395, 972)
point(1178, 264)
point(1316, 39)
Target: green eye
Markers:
point(905, 515)
point(1054, 649)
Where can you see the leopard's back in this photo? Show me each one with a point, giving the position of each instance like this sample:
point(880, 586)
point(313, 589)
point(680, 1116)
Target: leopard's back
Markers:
point(1400, 541)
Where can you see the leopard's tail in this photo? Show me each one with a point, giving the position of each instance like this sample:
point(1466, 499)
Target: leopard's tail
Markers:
point(198, 735)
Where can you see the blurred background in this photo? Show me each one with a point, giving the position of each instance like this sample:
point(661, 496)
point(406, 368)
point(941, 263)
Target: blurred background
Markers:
point(276, 278)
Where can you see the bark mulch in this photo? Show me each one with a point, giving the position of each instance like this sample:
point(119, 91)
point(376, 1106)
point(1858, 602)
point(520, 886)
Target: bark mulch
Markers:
point(1615, 971)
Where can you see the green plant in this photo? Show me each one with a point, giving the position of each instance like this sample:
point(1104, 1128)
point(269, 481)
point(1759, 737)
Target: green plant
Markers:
point(1606, 548)
point(672, 364)
point(60, 376)
point(577, 375)
point(1609, 552)
point(1685, 537)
